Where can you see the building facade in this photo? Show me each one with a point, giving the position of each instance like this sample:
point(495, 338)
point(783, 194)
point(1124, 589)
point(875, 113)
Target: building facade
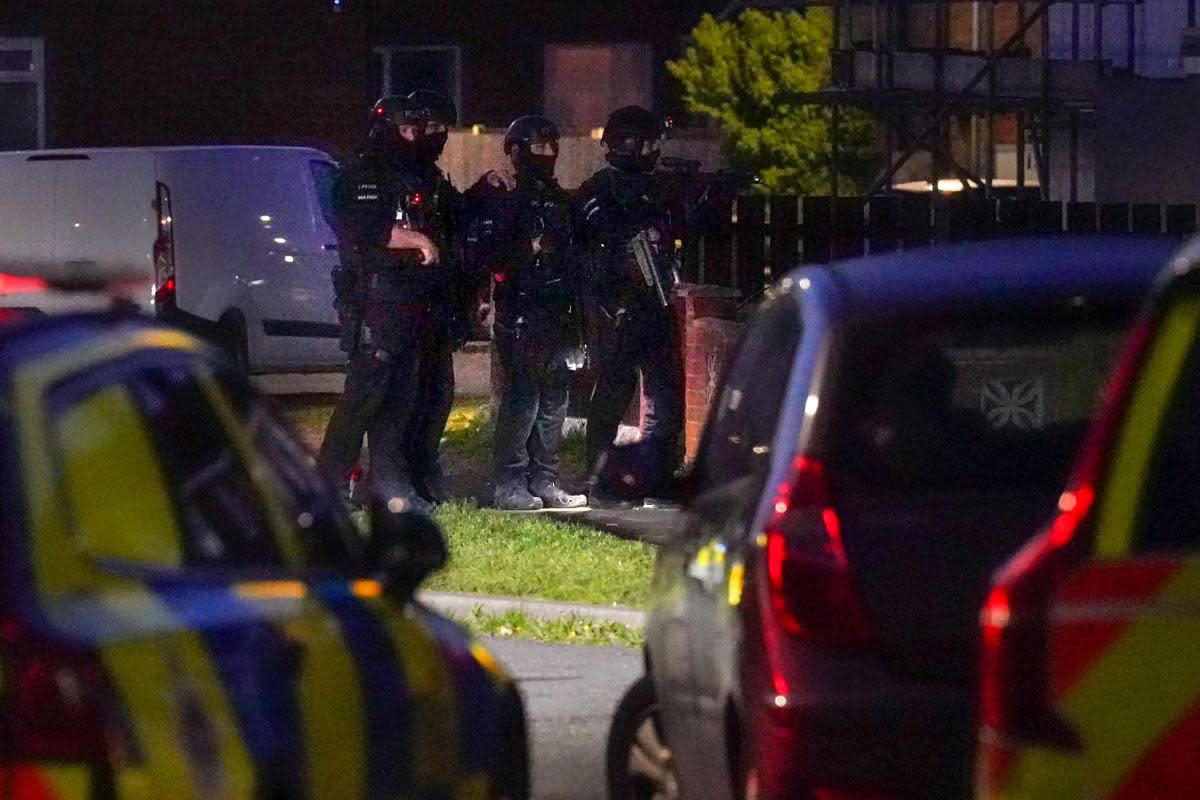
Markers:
point(145, 72)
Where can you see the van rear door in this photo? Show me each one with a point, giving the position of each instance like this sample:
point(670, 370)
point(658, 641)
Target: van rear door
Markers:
point(26, 208)
point(80, 218)
point(104, 224)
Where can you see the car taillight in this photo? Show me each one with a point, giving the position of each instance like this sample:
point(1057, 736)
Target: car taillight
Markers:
point(1015, 692)
point(1015, 701)
point(20, 284)
point(52, 701)
point(812, 591)
point(164, 250)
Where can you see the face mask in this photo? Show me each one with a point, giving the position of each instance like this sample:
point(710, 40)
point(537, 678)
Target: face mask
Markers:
point(429, 147)
point(539, 167)
point(626, 162)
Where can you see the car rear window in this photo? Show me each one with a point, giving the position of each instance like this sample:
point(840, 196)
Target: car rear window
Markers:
point(982, 399)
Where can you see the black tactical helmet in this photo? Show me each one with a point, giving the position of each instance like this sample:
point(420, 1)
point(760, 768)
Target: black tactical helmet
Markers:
point(396, 109)
point(632, 135)
point(386, 116)
point(632, 122)
point(528, 129)
point(438, 107)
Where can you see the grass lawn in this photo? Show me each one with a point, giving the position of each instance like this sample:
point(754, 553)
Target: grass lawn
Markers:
point(532, 555)
point(524, 555)
point(572, 630)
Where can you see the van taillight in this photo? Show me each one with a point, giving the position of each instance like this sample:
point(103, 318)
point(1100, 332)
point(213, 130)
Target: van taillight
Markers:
point(52, 704)
point(812, 591)
point(164, 250)
point(21, 284)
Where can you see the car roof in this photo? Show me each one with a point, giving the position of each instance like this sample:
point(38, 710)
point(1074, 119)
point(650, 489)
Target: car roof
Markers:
point(966, 274)
point(26, 337)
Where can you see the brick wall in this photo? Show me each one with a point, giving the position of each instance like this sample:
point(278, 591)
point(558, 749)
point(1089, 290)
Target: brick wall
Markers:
point(130, 73)
point(708, 336)
point(710, 344)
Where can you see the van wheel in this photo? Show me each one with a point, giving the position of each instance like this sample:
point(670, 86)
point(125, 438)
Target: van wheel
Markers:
point(640, 765)
point(234, 339)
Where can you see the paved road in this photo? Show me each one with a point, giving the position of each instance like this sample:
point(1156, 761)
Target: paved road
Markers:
point(570, 693)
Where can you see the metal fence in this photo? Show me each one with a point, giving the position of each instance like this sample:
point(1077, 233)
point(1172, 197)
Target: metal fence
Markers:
point(744, 241)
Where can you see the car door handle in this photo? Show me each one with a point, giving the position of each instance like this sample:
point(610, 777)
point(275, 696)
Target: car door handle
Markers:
point(329, 247)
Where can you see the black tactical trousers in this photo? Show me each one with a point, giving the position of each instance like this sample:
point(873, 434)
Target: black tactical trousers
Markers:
point(401, 398)
point(533, 407)
point(637, 342)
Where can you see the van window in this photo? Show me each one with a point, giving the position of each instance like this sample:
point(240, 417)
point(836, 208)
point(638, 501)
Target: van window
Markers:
point(977, 400)
point(324, 176)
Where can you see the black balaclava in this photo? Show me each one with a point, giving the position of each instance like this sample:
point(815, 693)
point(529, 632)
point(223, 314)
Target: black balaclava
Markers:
point(632, 134)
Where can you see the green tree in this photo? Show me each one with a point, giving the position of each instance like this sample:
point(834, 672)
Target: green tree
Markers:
point(750, 75)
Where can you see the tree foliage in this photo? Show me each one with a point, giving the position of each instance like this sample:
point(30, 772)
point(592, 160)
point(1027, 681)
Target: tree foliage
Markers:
point(750, 75)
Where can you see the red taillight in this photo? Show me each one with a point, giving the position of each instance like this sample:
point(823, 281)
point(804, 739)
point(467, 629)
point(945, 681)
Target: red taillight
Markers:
point(812, 591)
point(20, 284)
point(52, 704)
point(1015, 692)
point(164, 250)
point(1015, 701)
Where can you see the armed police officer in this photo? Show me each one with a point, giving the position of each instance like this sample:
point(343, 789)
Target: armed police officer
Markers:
point(524, 233)
point(400, 299)
point(625, 225)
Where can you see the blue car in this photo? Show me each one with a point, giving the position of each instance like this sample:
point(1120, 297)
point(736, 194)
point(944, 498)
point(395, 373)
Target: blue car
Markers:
point(889, 431)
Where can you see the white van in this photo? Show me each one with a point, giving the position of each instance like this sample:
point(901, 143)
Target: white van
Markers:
point(232, 242)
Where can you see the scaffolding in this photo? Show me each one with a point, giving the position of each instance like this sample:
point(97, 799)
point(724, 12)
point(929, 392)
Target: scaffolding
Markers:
point(930, 70)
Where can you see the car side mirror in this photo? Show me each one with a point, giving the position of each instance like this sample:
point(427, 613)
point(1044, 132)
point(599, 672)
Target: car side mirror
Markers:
point(403, 549)
point(641, 470)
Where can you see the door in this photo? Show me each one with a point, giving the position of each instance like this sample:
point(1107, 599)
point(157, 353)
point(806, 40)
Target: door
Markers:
point(293, 259)
point(1125, 639)
point(115, 570)
point(394, 727)
point(734, 463)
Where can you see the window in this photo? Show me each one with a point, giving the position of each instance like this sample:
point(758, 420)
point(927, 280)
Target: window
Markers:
point(22, 94)
point(218, 504)
point(583, 83)
point(116, 492)
point(739, 439)
point(979, 401)
point(1168, 518)
point(324, 174)
point(405, 69)
point(327, 538)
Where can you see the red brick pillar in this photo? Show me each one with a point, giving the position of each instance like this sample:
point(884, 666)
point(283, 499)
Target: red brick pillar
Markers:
point(709, 335)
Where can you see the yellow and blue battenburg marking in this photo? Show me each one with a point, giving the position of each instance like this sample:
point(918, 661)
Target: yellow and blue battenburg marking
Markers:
point(228, 686)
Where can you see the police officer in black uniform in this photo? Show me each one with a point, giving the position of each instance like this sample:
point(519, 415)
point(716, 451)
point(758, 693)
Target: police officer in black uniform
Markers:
point(396, 287)
point(623, 219)
point(524, 234)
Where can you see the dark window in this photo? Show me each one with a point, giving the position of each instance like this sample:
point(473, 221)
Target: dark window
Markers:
point(326, 537)
point(16, 61)
point(19, 116)
point(219, 506)
point(739, 438)
point(432, 67)
point(979, 400)
point(1169, 516)
point(324, 174)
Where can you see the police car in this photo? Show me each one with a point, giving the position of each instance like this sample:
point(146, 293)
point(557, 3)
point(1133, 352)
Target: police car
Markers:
point(186, 610)
point(1091, 634)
